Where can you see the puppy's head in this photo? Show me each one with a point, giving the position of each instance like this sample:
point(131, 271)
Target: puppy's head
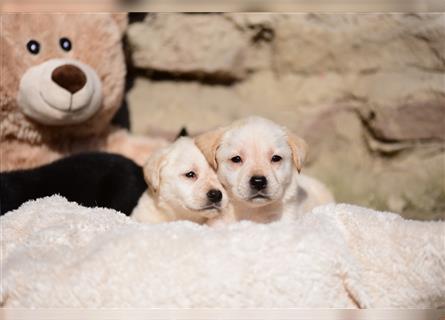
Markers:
point(183, 183)
point(255, 159)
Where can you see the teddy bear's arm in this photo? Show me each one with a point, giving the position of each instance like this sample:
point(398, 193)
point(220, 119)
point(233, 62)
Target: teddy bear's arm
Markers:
point(16, 155)
point(137, 148)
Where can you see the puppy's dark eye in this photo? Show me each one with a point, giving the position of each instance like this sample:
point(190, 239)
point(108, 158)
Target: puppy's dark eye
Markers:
point(33, 46)
point(65, 44)
point(190, 174)
point(276, 158)
point(236, 159)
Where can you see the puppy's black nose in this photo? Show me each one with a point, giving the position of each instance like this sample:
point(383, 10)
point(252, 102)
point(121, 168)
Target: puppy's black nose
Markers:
point(214, 195)
point(258, 182)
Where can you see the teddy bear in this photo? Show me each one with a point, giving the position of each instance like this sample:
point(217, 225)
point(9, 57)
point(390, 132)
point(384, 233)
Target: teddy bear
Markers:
point(63, 80)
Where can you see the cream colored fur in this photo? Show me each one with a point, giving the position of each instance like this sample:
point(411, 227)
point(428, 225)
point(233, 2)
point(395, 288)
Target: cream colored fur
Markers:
point(174, 196)
point(58, 254)
point(256, 141)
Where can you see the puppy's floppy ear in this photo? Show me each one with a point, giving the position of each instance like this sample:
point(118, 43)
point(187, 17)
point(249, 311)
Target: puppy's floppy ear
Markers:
point(152, 170)
point(299, 150)
point(208, 143)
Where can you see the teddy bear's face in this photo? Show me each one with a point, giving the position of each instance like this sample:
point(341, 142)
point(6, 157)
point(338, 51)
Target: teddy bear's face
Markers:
point(63, 69)
point(59, 91)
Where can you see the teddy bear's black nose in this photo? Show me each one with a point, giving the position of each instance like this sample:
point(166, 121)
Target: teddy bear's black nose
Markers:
point(69, 77)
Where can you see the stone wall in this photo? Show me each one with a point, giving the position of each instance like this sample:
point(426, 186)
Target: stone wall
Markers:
point(367, 91)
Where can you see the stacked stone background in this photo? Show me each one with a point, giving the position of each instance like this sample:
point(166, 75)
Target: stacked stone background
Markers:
point(366, 91)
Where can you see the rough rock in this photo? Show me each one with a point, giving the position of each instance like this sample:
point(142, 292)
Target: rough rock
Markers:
point(188, 44)
point(409, 122)
point(359, 42)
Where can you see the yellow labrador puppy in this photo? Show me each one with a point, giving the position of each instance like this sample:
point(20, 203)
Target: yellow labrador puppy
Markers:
point(258, 162)
point(182, 186)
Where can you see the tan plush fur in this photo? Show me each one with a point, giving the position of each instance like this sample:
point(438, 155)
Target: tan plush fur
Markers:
point(96, 42)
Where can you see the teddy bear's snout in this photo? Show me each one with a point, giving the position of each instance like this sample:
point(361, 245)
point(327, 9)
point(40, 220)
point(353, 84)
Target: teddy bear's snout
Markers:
point(69, 77)
point(60, 91)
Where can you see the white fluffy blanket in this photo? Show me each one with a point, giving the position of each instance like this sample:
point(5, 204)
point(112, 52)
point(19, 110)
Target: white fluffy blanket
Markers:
point(59, 254)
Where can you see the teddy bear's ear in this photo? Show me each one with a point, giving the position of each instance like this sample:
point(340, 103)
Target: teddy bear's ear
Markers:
point(121, 19)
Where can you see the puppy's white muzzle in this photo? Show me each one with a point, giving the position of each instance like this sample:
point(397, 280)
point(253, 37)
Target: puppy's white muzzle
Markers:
point(51, 101)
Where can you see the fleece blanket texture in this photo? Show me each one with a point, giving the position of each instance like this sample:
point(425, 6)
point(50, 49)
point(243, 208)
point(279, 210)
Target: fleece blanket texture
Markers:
point(58, 254)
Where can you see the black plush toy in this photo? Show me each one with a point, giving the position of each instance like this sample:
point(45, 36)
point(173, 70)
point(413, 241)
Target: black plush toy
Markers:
point(93, 179)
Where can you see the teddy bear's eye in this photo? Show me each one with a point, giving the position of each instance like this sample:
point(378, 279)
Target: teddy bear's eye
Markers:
point(65, 44)
point(33, 46)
